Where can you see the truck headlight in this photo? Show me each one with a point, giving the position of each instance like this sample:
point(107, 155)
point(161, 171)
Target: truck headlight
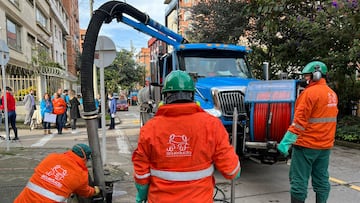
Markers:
point(213, 112)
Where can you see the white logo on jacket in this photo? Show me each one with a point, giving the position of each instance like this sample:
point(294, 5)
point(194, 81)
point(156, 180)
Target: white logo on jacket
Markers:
point(56, 174)
point(178, 146)
point(332, 99)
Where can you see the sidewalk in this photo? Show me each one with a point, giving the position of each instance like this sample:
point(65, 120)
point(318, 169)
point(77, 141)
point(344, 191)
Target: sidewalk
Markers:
point(17, 164)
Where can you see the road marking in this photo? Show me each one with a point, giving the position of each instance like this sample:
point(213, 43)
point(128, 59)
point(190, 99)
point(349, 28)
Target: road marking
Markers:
point(341, 182)
point(43, 141)
point(122, 143)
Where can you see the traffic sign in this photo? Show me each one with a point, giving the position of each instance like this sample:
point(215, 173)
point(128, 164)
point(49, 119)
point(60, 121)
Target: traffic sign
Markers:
point(4, 53)
point(105, 52)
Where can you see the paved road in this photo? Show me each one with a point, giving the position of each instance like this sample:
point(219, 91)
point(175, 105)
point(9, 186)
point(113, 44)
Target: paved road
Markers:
point(258, 183)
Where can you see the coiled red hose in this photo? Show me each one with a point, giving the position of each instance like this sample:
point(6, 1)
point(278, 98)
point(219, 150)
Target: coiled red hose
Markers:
point(280, 121)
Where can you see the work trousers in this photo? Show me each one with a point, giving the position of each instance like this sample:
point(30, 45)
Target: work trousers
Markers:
point(12, 121)
point(306, 162)
point(60, 122)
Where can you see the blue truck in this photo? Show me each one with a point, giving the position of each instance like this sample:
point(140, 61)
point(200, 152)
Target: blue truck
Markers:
point(224, 82)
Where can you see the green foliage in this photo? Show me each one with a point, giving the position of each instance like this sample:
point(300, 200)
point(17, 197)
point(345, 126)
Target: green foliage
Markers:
point(219, 21)
point(123, 72)
point(348, 129)
point(288, 34)
point(42, 58)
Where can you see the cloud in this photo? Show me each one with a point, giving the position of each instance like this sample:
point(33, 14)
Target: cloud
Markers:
point(123, 35)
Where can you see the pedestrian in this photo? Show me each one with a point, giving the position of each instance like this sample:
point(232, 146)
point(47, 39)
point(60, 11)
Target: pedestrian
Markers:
point(58, 176)
point(30, 106)
point(11, 106)
point(46, 106)
point(312, 134)
point(146, 100)
point(60, 111)
point(74, 110)
point(179, 148)
point(1, 110)
point(66, 118)
point(112, 110)
point(98, 107)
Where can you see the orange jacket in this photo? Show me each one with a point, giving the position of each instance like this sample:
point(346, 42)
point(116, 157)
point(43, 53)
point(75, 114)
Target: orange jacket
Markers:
point(56, 177)
point(59, 106)
point(177, 152)
point(315, 116)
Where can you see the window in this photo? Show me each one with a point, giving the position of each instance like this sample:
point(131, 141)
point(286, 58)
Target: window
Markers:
point(31, 2)
point(15, 2)
point(41, 18)
point(31, 40)
point(13, 34)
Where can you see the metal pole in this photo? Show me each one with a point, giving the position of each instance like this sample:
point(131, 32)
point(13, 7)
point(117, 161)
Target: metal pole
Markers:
point(102, 92)
point(234, 140)
point(6, 124)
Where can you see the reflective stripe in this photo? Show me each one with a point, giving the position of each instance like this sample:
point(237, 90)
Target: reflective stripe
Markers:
point(322, 120)
point(298, 126)
point(142, 176)
point(46, 193)
point(234, 171)
point(183, 176)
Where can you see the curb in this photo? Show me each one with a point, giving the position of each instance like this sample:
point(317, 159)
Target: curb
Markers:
point(347, 144)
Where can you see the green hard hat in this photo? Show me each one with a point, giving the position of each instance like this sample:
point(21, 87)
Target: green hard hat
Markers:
point(81, 150)
point(315, 66)
point(178, 81)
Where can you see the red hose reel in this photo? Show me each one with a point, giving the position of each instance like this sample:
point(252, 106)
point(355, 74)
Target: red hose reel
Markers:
point(279, 115)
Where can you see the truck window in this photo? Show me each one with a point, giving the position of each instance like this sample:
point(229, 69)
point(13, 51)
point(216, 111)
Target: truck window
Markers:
point(217, 67)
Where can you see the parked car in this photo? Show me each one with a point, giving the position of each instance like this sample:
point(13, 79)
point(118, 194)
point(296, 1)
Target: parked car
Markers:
point(122, 105)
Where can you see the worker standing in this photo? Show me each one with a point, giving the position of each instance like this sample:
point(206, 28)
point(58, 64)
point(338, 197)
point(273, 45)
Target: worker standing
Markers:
point(58, 176)
point(179, 149)
point(312, 133)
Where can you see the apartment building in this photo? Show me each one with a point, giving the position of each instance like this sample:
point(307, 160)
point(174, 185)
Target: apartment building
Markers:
point(178, 15)
point(73, 39)
point(37, 33)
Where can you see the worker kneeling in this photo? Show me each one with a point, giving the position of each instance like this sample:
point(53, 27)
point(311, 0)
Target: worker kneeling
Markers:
point(179, 149)
point(58, 176)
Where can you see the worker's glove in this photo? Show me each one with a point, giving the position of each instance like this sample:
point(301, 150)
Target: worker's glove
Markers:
point(141, 195)
point(238, 175)
point(97, 190)
point(285, 144)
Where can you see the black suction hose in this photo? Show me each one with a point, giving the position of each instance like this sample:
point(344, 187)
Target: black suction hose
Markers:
point(107, 12)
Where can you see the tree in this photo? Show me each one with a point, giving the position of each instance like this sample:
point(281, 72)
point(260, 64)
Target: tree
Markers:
point(218, 21)
point(290, 33)
point(123, 72)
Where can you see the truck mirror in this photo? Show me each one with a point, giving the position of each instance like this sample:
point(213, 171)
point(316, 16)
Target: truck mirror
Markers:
point(154, 73)
point(194, 76)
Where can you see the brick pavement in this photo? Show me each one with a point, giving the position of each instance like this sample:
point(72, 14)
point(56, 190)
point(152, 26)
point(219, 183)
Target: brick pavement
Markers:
point(17, 163)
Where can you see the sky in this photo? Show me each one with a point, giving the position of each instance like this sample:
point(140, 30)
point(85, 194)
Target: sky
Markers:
point(123, 35)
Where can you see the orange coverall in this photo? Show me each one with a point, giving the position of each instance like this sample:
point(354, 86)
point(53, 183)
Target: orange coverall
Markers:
point(178, 151)
point(315, 116)
point(55, 178)
point(59, 105)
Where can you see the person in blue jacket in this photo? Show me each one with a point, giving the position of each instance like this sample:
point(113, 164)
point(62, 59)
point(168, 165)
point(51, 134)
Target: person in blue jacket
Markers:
point(46, 106)
point(112, 110)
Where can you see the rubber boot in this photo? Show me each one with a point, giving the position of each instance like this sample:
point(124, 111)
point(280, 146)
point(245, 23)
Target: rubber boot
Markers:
point(294, 200)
